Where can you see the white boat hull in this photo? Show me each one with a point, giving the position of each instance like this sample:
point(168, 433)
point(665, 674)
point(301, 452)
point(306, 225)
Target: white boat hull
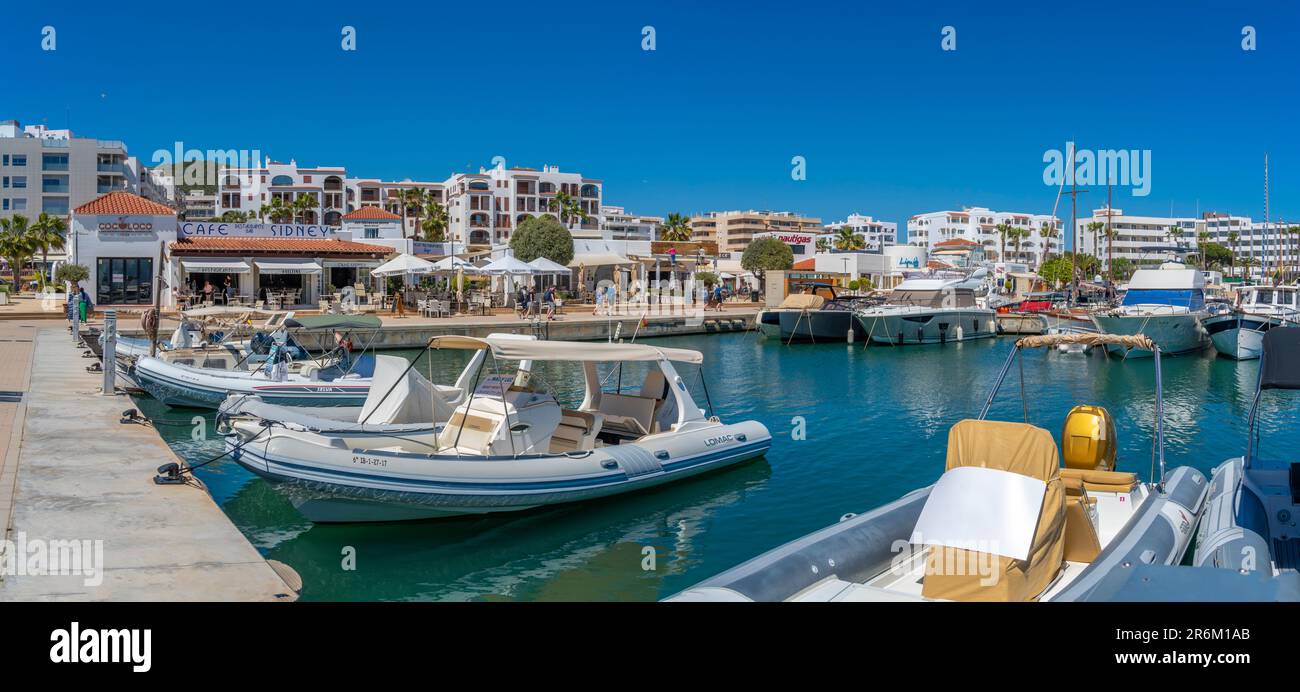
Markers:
point(361, 479)
point(1240, 337)
point(883, 326)
point(1174, 333)
point(178, 385)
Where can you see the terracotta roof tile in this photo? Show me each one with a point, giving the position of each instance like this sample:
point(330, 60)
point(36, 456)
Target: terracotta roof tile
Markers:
point(124, 204)
point(299, 246)
point(371, 214)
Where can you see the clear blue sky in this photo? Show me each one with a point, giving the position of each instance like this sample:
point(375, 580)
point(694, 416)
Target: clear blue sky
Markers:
point(889, 124)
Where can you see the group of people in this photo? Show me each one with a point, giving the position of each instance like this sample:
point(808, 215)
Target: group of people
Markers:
point(209, 293)
point(526, 302)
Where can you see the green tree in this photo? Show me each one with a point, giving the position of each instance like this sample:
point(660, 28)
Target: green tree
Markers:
point(567, 207)
point(676, 228)
point(275, 210)
point(1017, 235)
point(232, 216)
point(1096, 228)
point(1121, 269)
point(1214, 255)
point(542, 236)
point(709, 279)
point(1049, 233)
point(413, 201)
point(764, 255)
point(1175, 235)
point(72, 273)
point(1004, 231)
point(435, 222)
point(16, 245)
point(847, 241)
point(48, 233)
point(305, 203)
point(1057, 270)
point(1233, 237)
point(1202, 238)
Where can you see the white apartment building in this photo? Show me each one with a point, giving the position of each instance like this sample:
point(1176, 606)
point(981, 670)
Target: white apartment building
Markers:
point(979, 224)
point(1147, 239)
point(389, 195)
point(54, 171)
point(618, 224)
point(483, 208)
point(158, 184)
point(248, 189)
point(877, 235)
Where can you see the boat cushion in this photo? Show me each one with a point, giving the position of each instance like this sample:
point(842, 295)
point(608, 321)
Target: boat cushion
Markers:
point(1081, 541)
point(954, 574)
point(576, 432)
point(1099, 481)
point(627, 414)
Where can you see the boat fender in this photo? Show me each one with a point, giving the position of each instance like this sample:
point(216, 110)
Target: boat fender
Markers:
point(960, 333)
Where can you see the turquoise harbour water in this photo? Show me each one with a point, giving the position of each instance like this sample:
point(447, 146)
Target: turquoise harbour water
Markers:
point(876, 422)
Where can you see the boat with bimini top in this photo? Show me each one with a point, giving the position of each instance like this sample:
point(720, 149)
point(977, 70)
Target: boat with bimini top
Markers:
point(510, 444)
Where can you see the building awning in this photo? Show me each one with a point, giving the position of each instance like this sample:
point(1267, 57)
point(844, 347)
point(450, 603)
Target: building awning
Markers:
point(287, 266)
point(598, 259)
point(216, 265)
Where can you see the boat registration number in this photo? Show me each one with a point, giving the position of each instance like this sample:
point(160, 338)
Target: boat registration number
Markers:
point(368, 461)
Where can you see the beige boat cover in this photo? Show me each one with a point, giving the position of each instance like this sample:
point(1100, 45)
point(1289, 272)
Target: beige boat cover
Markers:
point(507, 348)
point(802, 301)
point(956, 574)
point(1088, 339)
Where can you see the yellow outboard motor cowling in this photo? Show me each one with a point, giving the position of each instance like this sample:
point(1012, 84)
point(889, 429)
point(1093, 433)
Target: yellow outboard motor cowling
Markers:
point(1088, 439)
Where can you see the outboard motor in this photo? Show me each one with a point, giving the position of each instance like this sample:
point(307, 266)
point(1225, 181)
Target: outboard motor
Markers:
point(1088, 439)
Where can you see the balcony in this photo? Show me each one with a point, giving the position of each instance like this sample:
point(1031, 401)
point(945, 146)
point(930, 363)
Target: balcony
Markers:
point(110, 167)
point(54, 165)
point(55, 187)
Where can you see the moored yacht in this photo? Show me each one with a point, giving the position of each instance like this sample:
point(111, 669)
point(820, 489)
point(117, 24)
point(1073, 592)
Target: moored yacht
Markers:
point(929, 311)
point(509, 443)
point(1238, 332)
point(818, 313)
point(1165, 305)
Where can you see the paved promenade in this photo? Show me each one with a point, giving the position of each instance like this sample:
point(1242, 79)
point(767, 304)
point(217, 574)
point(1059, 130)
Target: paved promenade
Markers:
point(73, 472)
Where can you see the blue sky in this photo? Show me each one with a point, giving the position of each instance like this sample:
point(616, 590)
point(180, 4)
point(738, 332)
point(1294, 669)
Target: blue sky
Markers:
point(889, 124)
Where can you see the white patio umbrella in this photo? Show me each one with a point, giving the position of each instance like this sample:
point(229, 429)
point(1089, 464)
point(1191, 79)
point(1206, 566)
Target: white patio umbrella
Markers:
point(454, 263)
point(507, 267)
point(546, 266)
point(403, 264)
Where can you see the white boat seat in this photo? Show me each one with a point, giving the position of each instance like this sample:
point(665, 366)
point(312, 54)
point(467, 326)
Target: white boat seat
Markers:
point(655, 387)
point(576, 432)
point(627, 414)
point(1015, 448)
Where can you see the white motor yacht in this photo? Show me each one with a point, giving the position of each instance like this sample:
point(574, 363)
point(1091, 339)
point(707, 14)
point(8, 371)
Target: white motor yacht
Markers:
point(929, 311)
point(1165, 305)
point(1238, 331)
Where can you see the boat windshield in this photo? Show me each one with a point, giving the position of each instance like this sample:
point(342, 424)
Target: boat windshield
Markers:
point(941, 298)
point(1190, 298)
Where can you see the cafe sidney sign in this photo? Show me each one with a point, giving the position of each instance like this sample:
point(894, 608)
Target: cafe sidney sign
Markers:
point(217, 229)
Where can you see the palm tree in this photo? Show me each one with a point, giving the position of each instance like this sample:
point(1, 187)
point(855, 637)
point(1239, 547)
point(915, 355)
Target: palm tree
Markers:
point(847, 241)
point(676, 228)
point(435, 222)
point(1004, 231)
point(1017, 234)
point(1049, 233)
point(16, 244)
point(567, 207)
point(48, 233)
point(276, 210)
point(1096, 227)
point(303, 204)
point(1233, 236)
point(1293, 232)
point(1111, 234)
point(232, 216)
point(413, 202)
point(1175, 234)
point(1202, 239)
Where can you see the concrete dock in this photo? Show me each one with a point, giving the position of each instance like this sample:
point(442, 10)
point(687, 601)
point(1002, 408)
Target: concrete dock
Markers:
point(72, 472)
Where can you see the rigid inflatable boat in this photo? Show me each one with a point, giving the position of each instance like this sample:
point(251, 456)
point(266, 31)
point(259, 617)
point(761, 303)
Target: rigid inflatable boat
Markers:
point(203, 378)
point(510, 444)
point(1005, 522)
point(1250, 520)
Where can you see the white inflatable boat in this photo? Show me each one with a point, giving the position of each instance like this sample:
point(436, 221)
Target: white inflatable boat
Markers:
point(1005, 522)
point(510, 444)
point(203, 378)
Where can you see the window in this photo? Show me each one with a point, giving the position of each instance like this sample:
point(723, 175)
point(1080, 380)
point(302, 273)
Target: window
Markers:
point(20, 182)
point(54, 162)
point(20, 204)
point(124, 281)
point(20, 159)
point(5, 160)
point(372, 232)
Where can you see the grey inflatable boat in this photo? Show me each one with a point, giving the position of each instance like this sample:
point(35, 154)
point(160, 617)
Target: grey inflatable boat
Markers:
point(1008, 522)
